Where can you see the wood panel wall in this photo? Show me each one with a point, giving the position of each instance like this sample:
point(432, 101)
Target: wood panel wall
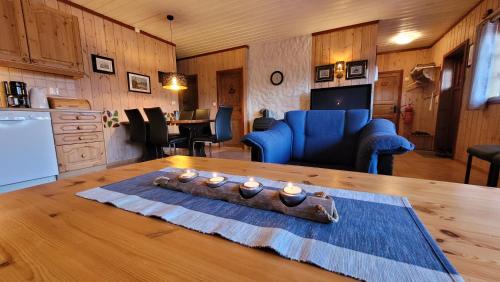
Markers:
point(206, 67)
point(476, 126)
point(132, 52)
point(420, 97)
point(346, 44)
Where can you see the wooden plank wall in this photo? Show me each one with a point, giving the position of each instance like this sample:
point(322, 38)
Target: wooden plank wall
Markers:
point(424, 114)
point(476, 126)
point(206, 68)
point(349, 44)
point(132, 52)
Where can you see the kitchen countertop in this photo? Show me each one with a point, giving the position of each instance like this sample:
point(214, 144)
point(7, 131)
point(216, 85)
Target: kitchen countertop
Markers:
point(50, 110)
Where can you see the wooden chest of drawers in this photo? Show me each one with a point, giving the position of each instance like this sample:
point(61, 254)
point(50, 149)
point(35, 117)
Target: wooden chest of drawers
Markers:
point(79, 140)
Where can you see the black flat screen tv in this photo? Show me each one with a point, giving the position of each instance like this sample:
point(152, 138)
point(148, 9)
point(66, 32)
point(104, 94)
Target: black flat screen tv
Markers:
point(342, 98)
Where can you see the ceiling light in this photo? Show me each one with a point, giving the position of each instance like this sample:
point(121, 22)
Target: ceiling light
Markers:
point(173, 80)
point(405, 37)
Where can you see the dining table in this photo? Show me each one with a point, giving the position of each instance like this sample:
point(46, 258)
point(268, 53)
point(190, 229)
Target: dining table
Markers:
point(193, 125)
point(49, 233)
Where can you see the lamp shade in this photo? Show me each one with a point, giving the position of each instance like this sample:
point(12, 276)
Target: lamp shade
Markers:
point(174, 81)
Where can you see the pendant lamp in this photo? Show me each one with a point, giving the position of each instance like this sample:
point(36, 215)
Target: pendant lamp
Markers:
point(173, 80)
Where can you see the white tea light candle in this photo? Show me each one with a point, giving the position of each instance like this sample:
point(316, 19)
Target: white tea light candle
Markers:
point(215, 178)
point(250, 188)
point(292, 189)
point(292, 195)
point(251, 183)
point(216, 181)
point(187, 176)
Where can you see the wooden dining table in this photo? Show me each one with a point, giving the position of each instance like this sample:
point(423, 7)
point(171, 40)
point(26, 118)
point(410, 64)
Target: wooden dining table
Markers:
point(48, 233)
point(192, 125)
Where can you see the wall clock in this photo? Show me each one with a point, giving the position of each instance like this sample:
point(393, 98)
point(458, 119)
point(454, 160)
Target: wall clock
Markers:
point(276, 78)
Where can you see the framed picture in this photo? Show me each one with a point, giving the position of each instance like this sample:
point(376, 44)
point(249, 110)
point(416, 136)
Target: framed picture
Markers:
point(139, 83)
point(324, 73)
point(356, 69)
point(102, 64)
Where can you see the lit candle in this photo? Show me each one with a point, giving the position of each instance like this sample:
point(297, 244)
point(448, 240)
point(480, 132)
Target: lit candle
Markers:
point(187, 176)
point(292, 195)
point(250, 188)
point(292, 189)
point(216, 181)
point(251, 183)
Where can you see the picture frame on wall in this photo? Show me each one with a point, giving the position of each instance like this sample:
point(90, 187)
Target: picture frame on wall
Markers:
point(324, 73)
point(139, 83)
point(102, 64)
point(356, 69)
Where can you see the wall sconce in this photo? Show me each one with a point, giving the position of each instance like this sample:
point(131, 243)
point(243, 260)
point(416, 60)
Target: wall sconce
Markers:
point(339, 69)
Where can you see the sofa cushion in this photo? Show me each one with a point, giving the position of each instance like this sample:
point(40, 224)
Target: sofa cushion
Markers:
point(326, 136)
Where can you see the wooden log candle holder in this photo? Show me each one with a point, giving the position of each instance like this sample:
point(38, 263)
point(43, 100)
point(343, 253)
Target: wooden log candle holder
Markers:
point(316, 207)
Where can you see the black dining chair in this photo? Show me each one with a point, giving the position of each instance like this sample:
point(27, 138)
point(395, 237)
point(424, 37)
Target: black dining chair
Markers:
point(484, 152)
point(223, 130)
point(183, 130)
point(203, 114)
point(186, 115)
point(139, 132)
point(158, 131)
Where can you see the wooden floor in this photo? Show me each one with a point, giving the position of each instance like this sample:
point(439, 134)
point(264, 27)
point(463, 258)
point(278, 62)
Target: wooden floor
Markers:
point(422, 165)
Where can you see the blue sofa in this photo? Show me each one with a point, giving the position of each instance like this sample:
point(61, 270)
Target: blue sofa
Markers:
point(338, 139)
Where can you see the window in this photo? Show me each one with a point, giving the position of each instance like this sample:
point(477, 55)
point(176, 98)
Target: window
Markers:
point(494, 81)
point(485, 84)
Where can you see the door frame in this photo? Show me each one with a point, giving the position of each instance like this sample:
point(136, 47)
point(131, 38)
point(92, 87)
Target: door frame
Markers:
point(400, 93)
point(465, 46)
point(242, 91)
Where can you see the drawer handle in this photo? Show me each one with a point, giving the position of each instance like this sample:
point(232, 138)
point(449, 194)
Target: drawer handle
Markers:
point(83, 156)
point(85, 117)
point(85, 127)
point(86, 138)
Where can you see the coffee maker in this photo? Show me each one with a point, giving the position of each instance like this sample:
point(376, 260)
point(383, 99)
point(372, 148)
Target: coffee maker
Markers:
point(17, 96)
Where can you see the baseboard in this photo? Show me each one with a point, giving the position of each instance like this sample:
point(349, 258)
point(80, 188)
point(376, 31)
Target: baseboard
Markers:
point(473, 165)
point(81, 171)
point(122, 162)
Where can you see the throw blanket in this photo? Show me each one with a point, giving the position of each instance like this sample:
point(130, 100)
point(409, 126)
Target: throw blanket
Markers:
point(378, 237)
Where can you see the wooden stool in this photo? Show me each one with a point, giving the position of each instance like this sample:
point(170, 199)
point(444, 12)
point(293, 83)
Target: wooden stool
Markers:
point(487, 153)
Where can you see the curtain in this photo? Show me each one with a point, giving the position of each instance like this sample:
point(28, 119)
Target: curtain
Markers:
point(483, 63)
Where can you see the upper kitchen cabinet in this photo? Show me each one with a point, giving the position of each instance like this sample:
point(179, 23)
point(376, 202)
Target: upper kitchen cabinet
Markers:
point(53, 37)
point(13, 45)
point(37, 37)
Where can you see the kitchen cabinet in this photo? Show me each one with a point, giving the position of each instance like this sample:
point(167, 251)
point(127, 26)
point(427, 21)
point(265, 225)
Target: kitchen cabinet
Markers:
point(79, 140)
point(53, 37)
point(79, 156)
point(13, 46)
point(39, 38)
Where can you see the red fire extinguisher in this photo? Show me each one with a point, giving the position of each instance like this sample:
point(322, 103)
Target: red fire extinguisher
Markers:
point(407, 113)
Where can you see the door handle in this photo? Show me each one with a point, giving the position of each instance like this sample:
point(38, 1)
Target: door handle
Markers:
point(395, 109)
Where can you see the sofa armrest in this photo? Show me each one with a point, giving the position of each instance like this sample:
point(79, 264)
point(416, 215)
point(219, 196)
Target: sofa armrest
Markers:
point(379, 137)
point(273, 145)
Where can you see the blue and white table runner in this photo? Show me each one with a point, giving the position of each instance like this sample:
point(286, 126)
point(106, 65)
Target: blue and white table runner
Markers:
point(378, 237)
